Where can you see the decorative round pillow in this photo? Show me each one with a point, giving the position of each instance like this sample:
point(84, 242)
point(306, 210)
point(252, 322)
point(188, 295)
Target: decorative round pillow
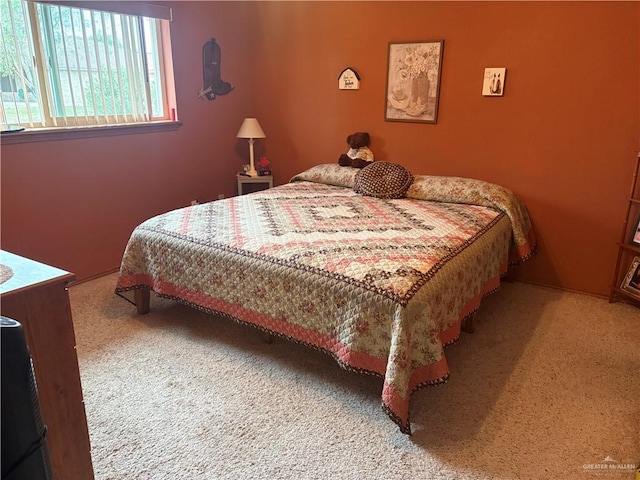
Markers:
point(383, 180)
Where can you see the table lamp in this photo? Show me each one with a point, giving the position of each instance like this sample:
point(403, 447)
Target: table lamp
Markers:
point(251, 129)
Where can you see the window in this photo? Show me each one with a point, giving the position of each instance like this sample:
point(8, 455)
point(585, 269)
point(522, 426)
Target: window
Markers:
point(63, 65)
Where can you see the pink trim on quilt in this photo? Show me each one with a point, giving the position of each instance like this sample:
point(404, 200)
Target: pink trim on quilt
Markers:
point(398, 405)
point(434, 373)
point(354, 359)
point(527, 250)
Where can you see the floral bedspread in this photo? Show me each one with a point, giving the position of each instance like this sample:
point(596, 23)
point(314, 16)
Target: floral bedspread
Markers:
point(381, 285)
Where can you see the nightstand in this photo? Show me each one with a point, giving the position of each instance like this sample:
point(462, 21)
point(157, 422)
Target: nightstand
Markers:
point(253, 184)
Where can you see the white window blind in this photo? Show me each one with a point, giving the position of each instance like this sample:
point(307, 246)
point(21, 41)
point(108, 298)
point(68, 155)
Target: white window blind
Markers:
point(65, 66)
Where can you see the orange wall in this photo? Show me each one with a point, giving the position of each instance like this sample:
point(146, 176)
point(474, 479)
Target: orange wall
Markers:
point(563, 137)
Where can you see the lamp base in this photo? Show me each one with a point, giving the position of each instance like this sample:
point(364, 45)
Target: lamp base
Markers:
point(252, 172)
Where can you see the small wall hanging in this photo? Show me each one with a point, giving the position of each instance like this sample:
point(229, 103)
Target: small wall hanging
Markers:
point(493, 82)
point(349, 79)
point(413, 81)
point(211, 72)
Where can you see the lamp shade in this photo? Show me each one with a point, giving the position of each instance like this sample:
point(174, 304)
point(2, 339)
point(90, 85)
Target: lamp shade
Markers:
point(250, 128)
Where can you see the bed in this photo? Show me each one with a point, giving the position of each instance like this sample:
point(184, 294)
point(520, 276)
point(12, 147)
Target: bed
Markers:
point(382, 285)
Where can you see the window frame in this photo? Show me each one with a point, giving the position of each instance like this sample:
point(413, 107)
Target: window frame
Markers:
point(162, 17)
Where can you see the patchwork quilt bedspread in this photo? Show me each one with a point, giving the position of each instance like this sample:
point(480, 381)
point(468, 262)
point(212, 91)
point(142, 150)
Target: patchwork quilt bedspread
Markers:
point(381, 285)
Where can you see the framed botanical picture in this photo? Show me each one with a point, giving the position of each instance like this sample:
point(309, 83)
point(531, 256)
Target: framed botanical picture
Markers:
point(413, 81)
point(635, 238)
point(631, 282)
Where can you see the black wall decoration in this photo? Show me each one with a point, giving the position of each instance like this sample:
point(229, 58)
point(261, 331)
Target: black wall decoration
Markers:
point(213, 83)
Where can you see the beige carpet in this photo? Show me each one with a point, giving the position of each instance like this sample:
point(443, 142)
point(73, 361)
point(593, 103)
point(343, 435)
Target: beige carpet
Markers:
point(547, 387)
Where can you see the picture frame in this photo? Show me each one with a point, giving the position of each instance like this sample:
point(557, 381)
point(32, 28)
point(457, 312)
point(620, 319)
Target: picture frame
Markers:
point(414, 71)
point(631, 282)
point(494, 81)
point(635, 237)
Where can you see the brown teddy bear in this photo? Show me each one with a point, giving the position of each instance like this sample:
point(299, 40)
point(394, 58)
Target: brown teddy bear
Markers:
point(359, 155)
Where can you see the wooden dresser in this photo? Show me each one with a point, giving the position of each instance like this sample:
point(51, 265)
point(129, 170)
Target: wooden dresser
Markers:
point(36, 295)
